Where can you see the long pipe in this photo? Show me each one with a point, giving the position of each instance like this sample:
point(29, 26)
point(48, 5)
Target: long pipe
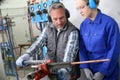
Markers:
point(61, 64)
point(90, 61)
point(32, 75)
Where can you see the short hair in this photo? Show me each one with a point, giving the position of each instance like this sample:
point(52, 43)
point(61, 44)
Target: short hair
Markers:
point(55, 5)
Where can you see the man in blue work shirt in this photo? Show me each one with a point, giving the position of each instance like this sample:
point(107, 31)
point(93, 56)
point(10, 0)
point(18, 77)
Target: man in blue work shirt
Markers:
point(62, 41)
point(100, 39)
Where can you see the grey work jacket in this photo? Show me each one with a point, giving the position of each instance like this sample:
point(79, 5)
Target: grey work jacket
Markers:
point(56, 44)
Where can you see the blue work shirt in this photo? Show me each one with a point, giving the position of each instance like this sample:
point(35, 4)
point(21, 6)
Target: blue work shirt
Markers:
point(100, 39)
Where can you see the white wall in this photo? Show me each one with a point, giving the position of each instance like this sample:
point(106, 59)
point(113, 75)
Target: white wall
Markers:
point(110, 7)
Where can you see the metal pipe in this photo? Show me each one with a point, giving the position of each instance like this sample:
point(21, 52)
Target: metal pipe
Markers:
point(61, 64)
point(90, 61)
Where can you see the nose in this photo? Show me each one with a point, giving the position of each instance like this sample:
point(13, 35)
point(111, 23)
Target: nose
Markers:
point(80, 11)
point(59, 21)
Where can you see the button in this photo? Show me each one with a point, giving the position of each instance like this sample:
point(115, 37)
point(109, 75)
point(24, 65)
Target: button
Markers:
point(86, 34)
point(94, 34)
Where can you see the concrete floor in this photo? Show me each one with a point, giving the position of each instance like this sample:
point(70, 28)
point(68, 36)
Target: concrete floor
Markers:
point(22, 73)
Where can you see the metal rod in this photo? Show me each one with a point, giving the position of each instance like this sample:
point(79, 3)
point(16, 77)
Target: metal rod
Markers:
point(52, 65)
point(90, 61)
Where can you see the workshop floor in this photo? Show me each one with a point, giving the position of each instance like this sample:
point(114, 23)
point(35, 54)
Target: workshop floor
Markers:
point(24, 71)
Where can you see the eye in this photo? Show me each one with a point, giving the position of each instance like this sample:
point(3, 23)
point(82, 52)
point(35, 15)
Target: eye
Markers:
point(55, 19)
point(81, 7)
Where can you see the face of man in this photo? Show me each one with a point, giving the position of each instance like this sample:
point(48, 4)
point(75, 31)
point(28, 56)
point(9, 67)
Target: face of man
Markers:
point(83, 8)
point(58, 17)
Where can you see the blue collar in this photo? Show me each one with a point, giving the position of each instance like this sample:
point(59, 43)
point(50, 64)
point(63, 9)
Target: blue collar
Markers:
point(97, 19)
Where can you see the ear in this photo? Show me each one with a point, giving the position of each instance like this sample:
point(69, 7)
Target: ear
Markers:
point(49, 18)
point(67, 13)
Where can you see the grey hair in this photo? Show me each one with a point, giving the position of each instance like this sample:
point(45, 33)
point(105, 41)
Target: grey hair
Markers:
point(55, 5)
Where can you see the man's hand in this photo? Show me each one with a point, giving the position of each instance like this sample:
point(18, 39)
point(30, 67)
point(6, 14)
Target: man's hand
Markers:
point(98, 76)
point(22, 58)
point(88, 74)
